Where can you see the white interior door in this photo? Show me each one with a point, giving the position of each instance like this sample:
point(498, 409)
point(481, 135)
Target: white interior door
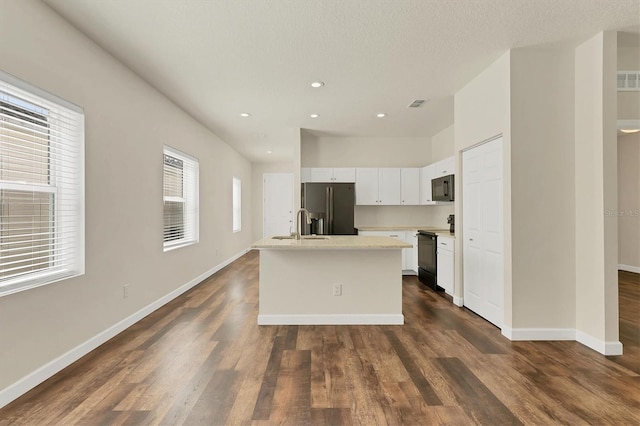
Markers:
point(482, 231)
point(277, 212)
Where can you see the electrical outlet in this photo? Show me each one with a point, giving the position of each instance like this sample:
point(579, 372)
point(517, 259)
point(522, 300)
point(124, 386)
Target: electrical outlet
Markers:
point(337, 289)
point(125, 291)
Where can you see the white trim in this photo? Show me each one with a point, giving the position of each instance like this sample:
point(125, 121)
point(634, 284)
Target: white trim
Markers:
point(339, 319)
point(458, 301)
point(539, 333)
point(605, 348)
point(38, 376)
point(549, 334)
point(629, 268)
point(28, 87)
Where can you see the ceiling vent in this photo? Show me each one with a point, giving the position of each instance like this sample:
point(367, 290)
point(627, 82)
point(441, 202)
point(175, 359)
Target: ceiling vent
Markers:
point(417, 103)
point(629, 81)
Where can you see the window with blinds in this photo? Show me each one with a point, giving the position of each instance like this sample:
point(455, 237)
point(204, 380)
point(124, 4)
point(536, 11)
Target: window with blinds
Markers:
point(180, 199)
point(237, 204)
point(41, 187)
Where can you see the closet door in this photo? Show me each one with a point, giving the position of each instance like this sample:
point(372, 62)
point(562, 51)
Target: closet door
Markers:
point(483, 234)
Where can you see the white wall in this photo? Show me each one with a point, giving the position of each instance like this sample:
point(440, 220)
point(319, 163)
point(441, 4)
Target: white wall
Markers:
point(482, 111)
point(127, 123)
point(364, 152)
point(443, 144)
point(629, 201)
point(596, 192)
point(257, 194)
point(542, 187)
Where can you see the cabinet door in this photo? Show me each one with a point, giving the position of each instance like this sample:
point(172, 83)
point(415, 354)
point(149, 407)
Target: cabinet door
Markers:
point(410, 186)
point(445, 270)
point(321, 174)
point(344, 175)
point(399, 235)
point(389, 186)
point(426, 174)
point(367, 187)
point(444, 167)
point(411, 258)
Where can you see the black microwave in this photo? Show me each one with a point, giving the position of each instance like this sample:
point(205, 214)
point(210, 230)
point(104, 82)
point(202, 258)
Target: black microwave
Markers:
point(442, 188)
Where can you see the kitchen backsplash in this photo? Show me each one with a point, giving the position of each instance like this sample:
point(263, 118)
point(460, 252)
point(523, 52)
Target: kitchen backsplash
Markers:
point(435, 216)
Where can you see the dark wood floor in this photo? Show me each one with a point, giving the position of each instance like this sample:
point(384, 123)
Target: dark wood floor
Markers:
point(202, 359)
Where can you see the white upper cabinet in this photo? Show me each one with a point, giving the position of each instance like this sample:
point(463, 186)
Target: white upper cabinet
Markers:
point(444, 167)
point(328, 174)
point(426, 174)
point(410, 186)
point(344, 175)
point(377, 186)
point(323, 174)
point(367, 187)
point(389, 190)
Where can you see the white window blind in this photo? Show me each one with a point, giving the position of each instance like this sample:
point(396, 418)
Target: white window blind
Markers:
point(180, 199)
point(41, 187)
point(237, 204)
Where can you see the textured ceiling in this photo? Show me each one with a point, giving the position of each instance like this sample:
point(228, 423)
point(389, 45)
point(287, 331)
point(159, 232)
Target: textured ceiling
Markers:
point(218, 58)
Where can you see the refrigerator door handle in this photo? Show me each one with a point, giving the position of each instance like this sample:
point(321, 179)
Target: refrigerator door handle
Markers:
point(330, 208)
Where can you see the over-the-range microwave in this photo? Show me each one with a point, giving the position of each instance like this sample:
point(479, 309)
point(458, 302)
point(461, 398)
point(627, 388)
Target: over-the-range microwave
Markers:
point(442, 188)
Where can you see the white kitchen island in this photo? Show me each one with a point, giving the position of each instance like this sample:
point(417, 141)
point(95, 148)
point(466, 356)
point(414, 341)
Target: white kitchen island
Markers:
point(298, 279)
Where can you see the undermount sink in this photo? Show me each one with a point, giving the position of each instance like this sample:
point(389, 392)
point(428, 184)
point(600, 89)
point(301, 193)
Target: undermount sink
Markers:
point(283, 237)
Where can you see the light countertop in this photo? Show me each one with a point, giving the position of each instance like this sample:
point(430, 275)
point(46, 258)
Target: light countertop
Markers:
point(332, 242)
point(444, 232)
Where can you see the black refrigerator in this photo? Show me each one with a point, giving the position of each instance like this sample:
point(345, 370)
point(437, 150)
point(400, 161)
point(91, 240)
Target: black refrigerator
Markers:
point(330, 207)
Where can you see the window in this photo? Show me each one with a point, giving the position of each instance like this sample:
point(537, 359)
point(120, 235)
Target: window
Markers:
point(41, 187)
point(180, 197)
point(237, 204)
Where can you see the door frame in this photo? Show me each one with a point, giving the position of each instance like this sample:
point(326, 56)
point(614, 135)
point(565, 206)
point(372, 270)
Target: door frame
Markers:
point(460, 223)
point(264, 182)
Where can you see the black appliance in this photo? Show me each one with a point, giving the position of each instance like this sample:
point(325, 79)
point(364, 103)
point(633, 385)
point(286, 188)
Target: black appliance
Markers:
point(442, 188)
point(330, 206)
point(427, 259)
point(451, 220)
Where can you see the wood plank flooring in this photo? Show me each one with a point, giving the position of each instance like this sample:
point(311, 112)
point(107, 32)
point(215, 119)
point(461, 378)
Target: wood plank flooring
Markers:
point(202, 360)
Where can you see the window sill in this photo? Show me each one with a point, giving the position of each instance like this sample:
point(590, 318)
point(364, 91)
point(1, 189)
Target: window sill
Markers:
point(179, 245)
point(40, 281)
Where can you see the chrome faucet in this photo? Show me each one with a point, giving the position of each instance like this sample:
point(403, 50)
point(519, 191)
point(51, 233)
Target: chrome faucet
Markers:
point(298, 231)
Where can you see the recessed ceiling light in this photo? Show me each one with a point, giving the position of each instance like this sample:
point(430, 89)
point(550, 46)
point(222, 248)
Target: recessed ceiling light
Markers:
point(269, 152)
point(317, 84)
point(630, 130)
point(245, 114)
point(380, 115)
point(314, 116)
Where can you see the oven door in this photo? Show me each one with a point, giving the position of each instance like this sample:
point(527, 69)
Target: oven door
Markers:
point(427, 260)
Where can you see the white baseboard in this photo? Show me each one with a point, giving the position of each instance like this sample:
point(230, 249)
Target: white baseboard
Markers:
point(458, 301)
point(347, 319)
point(539, 333)
point(629, 268)
point(38, 376)
point(605, 348)
point(550, 334)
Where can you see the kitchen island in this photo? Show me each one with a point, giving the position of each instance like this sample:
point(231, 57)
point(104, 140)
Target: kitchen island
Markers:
point(337, 279)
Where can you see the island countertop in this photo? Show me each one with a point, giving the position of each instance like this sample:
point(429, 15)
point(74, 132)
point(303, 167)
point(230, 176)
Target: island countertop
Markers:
point(332, 242)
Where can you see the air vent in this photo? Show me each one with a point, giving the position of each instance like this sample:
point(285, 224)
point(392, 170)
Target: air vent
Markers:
point(628, 81)
point(417, 103)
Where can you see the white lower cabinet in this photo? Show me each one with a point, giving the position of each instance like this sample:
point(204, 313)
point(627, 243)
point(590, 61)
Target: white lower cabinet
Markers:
point(409, 255)
point(445, 263)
